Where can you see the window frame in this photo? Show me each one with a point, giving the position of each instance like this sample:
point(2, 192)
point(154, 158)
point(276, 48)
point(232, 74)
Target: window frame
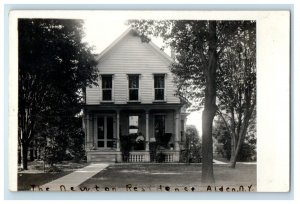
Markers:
point(139, 121)
point(107, 89)
point(129, 89)
point(164, 88)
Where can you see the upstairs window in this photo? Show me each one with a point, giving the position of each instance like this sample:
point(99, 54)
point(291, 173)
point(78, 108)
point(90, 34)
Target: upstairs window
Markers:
point(133, 87)
point(106, 87)
point(159, 87)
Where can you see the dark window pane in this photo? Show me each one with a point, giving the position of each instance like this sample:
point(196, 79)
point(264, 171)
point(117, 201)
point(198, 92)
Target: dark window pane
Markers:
point(106, 82)
point(106, 95)
point(159, 81)
point(110, 143)
point(134, 94)
point(110, 127)
point(100, 128)
point(134, 81)
point(159, 94)
point(100, 143)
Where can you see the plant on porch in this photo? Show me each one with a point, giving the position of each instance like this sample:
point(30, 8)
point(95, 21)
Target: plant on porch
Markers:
point(130, 143)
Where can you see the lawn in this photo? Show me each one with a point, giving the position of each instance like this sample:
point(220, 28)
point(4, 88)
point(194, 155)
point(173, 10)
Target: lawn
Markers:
point(37, 175)
point(171, 177)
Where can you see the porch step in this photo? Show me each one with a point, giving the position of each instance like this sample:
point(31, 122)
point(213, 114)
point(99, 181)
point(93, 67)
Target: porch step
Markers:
point(103, 158)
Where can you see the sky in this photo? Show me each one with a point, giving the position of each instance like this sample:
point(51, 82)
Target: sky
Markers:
point(100, 33)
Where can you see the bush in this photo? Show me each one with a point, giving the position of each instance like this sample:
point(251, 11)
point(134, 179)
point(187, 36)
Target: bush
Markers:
point(192, 146)
point(247, 153)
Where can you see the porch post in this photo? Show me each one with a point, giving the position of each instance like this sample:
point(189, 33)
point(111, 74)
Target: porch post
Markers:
point(147, 130)
point(87, 132)
point(177, 136)
point(177, 125)
point(118, 130)
point(95, 131)
point(118, 153)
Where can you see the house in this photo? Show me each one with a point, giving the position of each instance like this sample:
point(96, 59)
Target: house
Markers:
point(133, 115)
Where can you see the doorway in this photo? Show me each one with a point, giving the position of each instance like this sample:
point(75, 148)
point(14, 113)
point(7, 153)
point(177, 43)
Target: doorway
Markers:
point(105, 132)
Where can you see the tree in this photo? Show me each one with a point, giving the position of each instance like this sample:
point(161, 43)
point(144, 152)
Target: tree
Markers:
point(198, 48)
point(236, 85)
point(55, 66)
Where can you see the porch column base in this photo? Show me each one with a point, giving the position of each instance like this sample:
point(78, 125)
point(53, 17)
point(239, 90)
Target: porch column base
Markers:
point(147, 156)
point(176, 156)
point(119, 157)
point(104, 156)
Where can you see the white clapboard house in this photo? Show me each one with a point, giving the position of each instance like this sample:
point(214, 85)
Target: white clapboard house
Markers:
point(133, 115)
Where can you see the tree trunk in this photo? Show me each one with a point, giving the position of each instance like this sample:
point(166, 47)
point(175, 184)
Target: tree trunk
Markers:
point(233, 147)
point(25, 156)
point(210, 107)
point(207, 147)
point(241, 138)
point(31, 154)
point(19, 156)
point(236, 152)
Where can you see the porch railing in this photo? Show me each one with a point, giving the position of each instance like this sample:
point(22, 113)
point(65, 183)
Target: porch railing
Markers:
point(165, 156)
point(137, 157)
point(168, 156)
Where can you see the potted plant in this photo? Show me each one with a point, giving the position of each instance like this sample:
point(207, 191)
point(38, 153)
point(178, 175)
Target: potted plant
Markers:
point(139, 142)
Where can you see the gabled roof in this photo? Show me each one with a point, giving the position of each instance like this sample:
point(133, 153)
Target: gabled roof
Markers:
point(121, 37)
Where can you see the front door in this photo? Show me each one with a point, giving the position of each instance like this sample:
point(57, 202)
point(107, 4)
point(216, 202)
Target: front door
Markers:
point(105, 132)
point(159, 131)
point(159, 127)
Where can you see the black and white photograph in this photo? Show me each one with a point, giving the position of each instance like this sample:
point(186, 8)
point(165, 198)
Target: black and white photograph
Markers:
point(136, 104)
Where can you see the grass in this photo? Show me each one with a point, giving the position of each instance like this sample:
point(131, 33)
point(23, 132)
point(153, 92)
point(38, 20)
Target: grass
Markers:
point(148, 177)
point(37, 175)
point(155, 177)
point(25, 180)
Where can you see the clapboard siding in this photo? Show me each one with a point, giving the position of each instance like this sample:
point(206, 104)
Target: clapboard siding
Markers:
point(93, 95)
point(131, 56)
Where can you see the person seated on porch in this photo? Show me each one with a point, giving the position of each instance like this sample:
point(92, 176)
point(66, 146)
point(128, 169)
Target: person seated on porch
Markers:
point(140, 137)
point(171, 145)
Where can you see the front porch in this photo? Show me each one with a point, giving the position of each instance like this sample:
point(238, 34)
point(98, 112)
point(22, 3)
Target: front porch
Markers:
point(134, 134)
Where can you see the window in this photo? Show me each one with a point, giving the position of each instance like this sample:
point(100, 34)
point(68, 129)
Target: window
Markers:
point(133, 86)
point(133, 124)
point(106, 87)
point(159, 87)
point(105, 126)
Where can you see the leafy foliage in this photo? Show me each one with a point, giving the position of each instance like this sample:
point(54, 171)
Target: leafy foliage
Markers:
point(236, 85)
point(221, 134)
point(55, 66)
point(62, 141)
point(248, 148)
point(192, 146)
